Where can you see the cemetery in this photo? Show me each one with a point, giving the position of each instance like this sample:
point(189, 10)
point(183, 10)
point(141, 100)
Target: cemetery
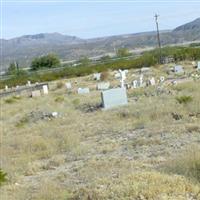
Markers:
point(84, 135)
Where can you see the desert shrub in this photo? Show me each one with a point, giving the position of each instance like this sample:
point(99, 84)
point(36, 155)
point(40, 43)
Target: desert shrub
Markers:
point(59, 99)
point(59, 85)
point(184, 99)
point(104, 76)
point(187, 164)
point(3, 178)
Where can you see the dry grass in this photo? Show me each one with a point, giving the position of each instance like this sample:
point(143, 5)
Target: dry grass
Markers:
point(98, 154)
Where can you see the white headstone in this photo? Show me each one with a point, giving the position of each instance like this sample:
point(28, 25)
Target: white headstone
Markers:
point(6, 87)
point(97, 76)
point(35, 93)
point(135, 84)
point(178, 69)
point(114, 97)
point(152, 81)
point(45, 89)
point(28, 83)
point(141, 80)
point(123, 77)
point(83, 90)
point(198, 65)
point(103, 86)
point(162, 79)
point(68, 85)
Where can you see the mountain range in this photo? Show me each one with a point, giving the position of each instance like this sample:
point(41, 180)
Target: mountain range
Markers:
point(23, 49)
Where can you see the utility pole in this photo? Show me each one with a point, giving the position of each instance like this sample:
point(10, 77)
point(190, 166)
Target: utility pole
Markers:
point(158, 37)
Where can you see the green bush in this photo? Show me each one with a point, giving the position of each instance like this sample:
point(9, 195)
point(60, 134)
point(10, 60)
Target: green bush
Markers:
point(3, 177)
point(184, 99)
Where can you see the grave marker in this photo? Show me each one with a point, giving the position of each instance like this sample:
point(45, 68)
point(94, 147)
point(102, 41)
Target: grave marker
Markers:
point(97, 76)
point(135, 84)
point(68, 85)
point(178, 69)
point(103, 86)
point(83, 90)
point(114, 97)
point(45, 89)
point(35, 93)
point(198, 65)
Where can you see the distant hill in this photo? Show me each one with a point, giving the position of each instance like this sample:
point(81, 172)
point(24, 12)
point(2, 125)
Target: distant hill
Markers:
point(24, 49)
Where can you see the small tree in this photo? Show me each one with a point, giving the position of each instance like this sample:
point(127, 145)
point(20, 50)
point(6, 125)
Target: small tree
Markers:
point(85, 61)
point(123, 52)
point(48, 61)
point(2, 177)
point(12, 69)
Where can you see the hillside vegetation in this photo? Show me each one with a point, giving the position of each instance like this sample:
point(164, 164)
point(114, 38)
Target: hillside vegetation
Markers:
point(148, 59)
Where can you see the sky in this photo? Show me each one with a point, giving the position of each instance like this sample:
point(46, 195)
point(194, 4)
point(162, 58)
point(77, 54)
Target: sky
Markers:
point(93, 18)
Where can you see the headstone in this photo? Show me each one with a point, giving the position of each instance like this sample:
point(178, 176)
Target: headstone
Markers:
point(103, 86)
point(6, 87)
point(198, 65)
point(114, 97)
point(35, 93)
point(28, 83)
point(83, 90)
point(178, 69)
point(45, 89)
point(68, 85)
point(97, 76)
point(162, 79)
point(123, 77)
point(117, 75)
point(135, 84)
point(152, 81)
point(141, 80)
point(144, 69)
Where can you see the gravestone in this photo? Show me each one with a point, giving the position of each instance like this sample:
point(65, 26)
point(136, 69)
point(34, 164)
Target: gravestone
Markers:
point(135, 84)
point(83, 90)
point(6, 87)
point(141, 80)
point(152, 81)
point(162, 79)
point(114, 98)
point(103, 86)
point(198, 65)
point(123, 77)
point(45, 89)
point(178, 69)
point(97, 76)
point(28, 83)
point(35, 93)
point(68, 85)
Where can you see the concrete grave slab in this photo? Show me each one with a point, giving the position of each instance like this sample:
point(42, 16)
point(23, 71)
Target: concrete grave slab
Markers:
point(36, 93)
point(83, 90)
point(114, 98)
point(103, 86)
point(178, 69)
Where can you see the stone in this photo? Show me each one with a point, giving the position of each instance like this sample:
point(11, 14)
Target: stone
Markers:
point(141, 81)
point(28, 83)
point(123, 77)
point(117, 76)
point(97, 76)
point(114, 98)
point(178, 69)
point(6, 87)
point(83, 90)
point(103, 86)
point(68, 85)
point(135, 84)
point(45, 89)
point(144, 69)
point(198, 65)
point(152, 81)
point(54, 114)
point(36, 93)
point(162, 79)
